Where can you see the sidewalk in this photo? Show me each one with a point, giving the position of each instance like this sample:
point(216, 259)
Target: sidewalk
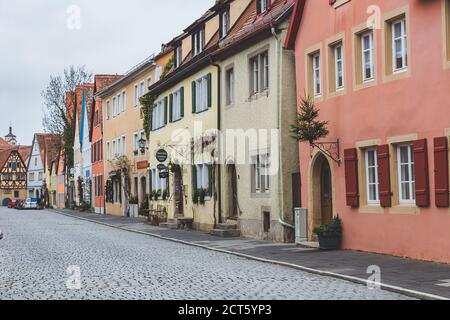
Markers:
point(425, 280)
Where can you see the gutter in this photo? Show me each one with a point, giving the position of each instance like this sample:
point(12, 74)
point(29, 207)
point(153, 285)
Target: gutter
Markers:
point(281, 212)
point(219, 128)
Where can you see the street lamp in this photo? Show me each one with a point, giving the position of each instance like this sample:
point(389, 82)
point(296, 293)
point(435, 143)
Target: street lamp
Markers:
point(142, 144)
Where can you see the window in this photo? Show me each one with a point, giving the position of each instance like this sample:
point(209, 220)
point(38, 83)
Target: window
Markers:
point(405, 159)
point(124, 146)
point(178, 57)
point(35, 161)
point(201, 88)
point(108, 151)
point(198, 41)
point(176, 105)
point(261, 173)
point(40, 176)
point(158, 184)
point(119, 147)
point(158, 115)
point(367, 56)
point(262, 6)
point(317, 86)
point(114, 150)
point(229, 86)
point(372, 182)
point(143, 138)
point(136, 95)
point(31, 177)
point(16, 194)
point(259, 77)
point(142, 90)
point(225, 23)
point(339, 67)
point(124, 101)
point(399, 45)
point(203, 178)
point(119, 100)
point(158, 73)
point(136, 141)
point(108, 110)
point(114, 107)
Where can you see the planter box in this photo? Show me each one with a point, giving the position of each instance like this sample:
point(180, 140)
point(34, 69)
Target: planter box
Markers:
point(134, 211)
point(330, 242)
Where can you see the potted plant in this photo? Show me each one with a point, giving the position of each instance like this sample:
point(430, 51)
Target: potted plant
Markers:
point(330, 235)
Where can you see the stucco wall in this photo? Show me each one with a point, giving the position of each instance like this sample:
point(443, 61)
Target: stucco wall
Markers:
point(413, 104)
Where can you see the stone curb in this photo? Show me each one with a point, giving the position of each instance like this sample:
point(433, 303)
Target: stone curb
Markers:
point(386, 287)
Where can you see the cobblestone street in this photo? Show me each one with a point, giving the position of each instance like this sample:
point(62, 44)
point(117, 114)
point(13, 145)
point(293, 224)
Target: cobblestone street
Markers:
point(40, 246)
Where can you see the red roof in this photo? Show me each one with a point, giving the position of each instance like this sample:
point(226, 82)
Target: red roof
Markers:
point(295, 24)
point(4, 144)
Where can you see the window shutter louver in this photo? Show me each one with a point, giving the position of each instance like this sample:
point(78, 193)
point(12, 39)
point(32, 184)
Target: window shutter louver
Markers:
point(170, 107)
point(441, 172)
point(422, 181)
point(209, 81)
point(384, 176)
point(166, 106)
point(194, 180)
point(351, 177)
point(193, 97)
point(182, 102)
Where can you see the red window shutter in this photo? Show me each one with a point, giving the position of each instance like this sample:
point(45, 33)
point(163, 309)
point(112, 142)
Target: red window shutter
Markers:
point(351, 177)
point(421, 173)
point(441, 172)
point(384, 176)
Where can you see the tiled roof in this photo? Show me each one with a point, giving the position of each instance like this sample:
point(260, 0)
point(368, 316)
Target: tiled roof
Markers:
point(52, 148)
point(24, 152)
point(4, 144)
point(250, 22)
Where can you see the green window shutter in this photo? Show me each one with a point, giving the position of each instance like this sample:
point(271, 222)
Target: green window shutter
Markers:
point(150, 181)
point(193, 96)
point(194, 180)
point(170, 107)
point(209, 80)
point(166, 106)
point(182, 102)
point(210, 180)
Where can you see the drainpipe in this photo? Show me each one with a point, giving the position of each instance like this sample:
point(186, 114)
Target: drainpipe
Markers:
point(278, 53)
point(219, 119)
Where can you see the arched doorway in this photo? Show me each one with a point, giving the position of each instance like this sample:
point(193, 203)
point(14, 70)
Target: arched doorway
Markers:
point(321, 194)
point(232, 203)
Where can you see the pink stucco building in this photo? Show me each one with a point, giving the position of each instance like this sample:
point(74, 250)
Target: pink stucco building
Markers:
point(379, 72)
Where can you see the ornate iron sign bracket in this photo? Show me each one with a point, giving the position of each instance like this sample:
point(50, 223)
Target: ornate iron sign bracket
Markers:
point(330, 149)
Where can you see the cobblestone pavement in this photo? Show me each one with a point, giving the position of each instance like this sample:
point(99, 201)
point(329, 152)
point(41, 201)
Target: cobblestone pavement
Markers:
point(40, 246)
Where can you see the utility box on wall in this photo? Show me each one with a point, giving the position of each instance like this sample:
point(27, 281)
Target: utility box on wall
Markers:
point(301, 225)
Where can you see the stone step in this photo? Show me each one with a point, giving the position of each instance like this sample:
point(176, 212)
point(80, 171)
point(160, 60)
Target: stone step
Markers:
point(226, 226)
point(233, 233)
point(169, 225)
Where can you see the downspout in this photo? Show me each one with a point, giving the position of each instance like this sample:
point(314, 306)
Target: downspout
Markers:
point(278, 53)
point(219, 119)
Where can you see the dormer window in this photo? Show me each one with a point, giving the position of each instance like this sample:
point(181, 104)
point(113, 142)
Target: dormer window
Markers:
point(224, 23)
point(198, 39)
point(262, 6)
point(178, 57)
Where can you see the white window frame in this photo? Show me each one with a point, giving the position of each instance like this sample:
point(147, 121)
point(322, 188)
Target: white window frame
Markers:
point(262, 5)
point(339, 68)
point(124, 145)
point(108, 151)
point(376, 184)
point(135, 141)
point(266, 70)
point(149, 82)
point(108, 110)
point(230, 86)
point(225, 23)
point(370, 50)
point(114, 150)
point(178, 56)
point(410, 183)
point(317, 79)
point(198, 42)
point(201, 94)
point(136, 95)
point(119, 147)
point(158, 115)
point(203, 178)
point(142, 88)
point(124, 101)
point(176, 105)
point(142, 137)
point(403, 38)
point(119, 100)
point(114, 107)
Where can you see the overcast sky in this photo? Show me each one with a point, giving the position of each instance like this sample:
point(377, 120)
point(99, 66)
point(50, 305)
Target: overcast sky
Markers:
point(36, 42)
